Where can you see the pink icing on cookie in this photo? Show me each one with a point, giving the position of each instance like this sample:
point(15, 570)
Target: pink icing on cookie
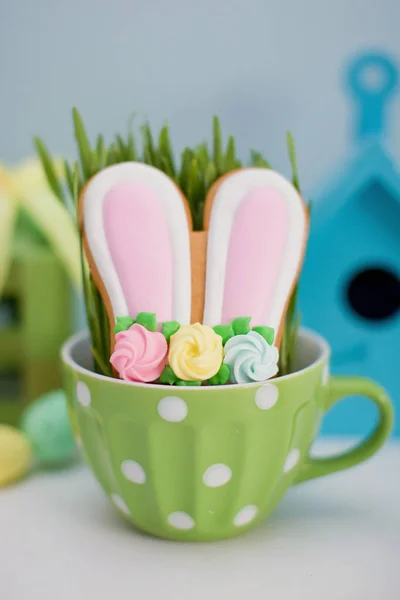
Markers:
point(139, 241)
point(256, 248)
point(139, 355)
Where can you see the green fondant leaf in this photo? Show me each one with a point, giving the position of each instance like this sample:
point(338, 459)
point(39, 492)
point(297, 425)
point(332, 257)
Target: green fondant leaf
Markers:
point(187, 383)
point(169, 328)
point(225, 331)
point(221, 377)
point(267, 333)
point(241, 325)
point(168, 376)
point(123, 323)
point(147, 320)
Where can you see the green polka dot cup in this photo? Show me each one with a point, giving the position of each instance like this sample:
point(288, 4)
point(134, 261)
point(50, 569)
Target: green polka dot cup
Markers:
point(189, 463)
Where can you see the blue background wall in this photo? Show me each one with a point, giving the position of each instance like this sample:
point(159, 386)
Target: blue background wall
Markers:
point(263, 66)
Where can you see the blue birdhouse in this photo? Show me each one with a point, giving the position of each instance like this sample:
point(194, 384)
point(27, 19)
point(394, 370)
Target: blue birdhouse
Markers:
point(350, 286)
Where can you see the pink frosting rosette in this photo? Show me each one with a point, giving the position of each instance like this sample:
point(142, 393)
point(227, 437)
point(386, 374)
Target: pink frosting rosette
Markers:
point(139, 354)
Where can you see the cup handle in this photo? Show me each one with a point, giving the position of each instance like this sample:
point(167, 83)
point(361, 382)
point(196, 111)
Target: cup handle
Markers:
point(340, 387)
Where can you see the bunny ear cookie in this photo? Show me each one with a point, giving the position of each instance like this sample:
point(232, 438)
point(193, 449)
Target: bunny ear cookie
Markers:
point(135, 227)
point(257, 229)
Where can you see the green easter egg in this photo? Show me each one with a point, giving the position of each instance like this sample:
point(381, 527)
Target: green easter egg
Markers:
point(46, 425)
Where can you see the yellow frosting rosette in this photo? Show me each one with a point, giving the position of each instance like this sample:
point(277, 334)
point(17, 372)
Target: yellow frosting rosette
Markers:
point(195, 352)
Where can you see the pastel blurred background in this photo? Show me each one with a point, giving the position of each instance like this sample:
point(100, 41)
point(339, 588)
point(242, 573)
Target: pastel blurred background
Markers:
point(264, 68)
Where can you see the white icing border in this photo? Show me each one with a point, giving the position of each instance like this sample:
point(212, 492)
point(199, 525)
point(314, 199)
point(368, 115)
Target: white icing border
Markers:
point(227, 201)
point(166, 191)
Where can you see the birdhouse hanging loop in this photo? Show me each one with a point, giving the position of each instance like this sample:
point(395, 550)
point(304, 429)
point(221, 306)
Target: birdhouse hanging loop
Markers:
point(372, 79)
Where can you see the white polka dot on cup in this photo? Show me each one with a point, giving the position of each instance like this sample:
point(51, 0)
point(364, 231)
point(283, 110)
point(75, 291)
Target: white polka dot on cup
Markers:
point(291, 460)
point(245, 515)
point(120, 504)
point(133, 471)
point(267, 396)
point(173, 409)
point(181, 520)
point(83, 394)
point(217, 475)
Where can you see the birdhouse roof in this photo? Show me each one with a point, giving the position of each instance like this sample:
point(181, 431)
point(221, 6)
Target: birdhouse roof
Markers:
point(372, 164)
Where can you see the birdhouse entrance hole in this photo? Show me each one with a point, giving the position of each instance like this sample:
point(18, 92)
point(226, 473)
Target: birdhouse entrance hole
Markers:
point(373, 293)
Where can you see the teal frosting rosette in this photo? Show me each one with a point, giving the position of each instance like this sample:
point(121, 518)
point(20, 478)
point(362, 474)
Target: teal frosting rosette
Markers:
point(250, 358)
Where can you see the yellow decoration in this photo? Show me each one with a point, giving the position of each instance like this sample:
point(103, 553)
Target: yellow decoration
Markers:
point(15, 454)
point(25, 186)
point(8, 217)
point(195, 352)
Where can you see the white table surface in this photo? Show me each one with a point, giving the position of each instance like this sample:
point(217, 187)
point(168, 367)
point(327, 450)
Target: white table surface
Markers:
point(337, 538)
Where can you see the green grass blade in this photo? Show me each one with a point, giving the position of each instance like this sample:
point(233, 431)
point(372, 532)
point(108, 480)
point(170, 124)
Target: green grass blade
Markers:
point(131, 141)
point(165, 150)
point(257, 160)
point(289, 334)
point(101, 152)
point(99, 144)
point(202, 156)
point(283, 352)
point(69, 178)
point(292, 305)
point(186, 159)
point(192, 184)
point(165, 166)
point(131, 148)
point(94, 163)
point(291, 348)
point(82, 140)
point(148, 145)
point(217, 145)
point(48, 167)
point(122, 147)
point(293, 160)
point(230, 156)
point(210, 176)
point(112, 155)
point(193, 171)
point(77, 184)
point(99, 333)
